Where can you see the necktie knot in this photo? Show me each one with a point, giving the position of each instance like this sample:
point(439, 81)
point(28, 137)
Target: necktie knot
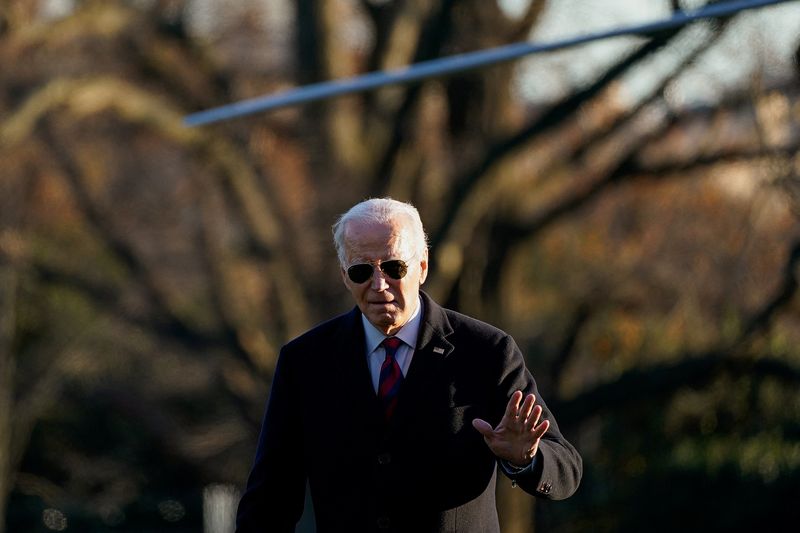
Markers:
point(391, 344)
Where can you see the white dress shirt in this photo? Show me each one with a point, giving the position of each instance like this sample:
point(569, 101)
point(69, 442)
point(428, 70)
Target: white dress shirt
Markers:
point(376, 353)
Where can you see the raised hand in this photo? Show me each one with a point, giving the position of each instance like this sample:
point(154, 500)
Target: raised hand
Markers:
point(516, 438)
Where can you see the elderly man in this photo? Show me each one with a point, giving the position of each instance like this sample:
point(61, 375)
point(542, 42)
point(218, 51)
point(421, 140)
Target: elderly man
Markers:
point(398, 412)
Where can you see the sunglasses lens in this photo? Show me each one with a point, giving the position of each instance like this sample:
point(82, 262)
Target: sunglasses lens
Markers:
point(359, 273)
point(395, 269)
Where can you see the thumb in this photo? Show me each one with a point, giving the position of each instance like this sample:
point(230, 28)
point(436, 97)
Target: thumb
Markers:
point(483, 427)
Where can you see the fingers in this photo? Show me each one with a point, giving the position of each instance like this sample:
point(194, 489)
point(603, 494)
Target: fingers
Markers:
point(521, 417)
point(515, 411)
point(513, 405)
point(527, 406)
point(527, 415)
point(541, 429)
point(533, 417)
point(483, 427)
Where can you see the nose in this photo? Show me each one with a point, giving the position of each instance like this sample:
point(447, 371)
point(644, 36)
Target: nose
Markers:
point(378, 282)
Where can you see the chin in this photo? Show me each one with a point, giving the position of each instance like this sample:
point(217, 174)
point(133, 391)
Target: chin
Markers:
point(384, 321)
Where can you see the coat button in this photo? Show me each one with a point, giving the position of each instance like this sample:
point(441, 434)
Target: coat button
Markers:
point(384, 522)
point(384, 459)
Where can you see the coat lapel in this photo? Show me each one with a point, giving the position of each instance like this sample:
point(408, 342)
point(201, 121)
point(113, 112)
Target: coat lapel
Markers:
point(427, 365)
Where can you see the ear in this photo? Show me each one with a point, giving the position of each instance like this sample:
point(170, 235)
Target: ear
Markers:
point(423, 267)
point(344, 276)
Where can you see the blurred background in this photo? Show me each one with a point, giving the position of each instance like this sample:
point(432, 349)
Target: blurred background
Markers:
point(627, 210)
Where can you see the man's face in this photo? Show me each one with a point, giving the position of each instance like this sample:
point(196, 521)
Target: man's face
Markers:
point(387, 303)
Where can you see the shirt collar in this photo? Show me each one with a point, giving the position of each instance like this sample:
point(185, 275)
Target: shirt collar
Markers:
point(408, 333)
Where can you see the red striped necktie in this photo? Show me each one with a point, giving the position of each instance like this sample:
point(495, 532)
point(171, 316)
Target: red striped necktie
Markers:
point(391, 377)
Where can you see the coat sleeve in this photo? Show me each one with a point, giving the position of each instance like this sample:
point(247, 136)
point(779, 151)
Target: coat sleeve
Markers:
point(558, 466)
point(274, 497)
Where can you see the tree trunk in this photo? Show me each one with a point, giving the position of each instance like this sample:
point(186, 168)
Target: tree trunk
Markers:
point(8, 284)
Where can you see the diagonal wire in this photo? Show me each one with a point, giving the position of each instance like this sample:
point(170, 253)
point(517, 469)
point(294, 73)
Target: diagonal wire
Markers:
point(456, 63)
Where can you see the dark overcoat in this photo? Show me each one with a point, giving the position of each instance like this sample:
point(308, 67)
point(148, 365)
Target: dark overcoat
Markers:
point(428, 470)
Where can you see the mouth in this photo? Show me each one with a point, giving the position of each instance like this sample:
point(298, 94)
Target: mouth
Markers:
point(383, 304)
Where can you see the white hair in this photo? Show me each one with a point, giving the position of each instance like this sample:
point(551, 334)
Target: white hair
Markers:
point(381, 211)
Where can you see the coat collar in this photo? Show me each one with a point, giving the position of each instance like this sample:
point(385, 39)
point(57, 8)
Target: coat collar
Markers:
point(434, 330)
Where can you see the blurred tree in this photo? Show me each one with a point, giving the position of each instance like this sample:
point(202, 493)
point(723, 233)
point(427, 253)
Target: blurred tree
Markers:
point(643, 254)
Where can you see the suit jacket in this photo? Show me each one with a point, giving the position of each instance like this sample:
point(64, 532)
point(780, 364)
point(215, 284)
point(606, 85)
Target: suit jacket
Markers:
point(428, 470)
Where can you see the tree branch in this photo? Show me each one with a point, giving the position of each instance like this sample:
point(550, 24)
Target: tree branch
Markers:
point(761, 320)
point(496, 152)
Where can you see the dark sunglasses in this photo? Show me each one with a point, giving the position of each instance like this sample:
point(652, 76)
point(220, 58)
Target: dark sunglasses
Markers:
point(395, 269)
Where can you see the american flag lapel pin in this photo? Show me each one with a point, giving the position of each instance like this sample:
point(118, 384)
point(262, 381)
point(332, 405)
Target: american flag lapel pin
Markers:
point(438, 350)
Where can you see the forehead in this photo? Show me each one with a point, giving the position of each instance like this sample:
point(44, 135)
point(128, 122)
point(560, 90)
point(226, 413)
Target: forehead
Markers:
point(373, 241)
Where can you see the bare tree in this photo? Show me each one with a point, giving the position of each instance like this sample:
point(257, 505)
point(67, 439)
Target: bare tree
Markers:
point(150, 272)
